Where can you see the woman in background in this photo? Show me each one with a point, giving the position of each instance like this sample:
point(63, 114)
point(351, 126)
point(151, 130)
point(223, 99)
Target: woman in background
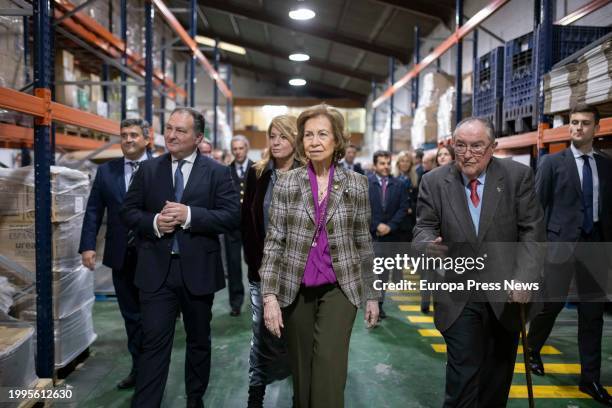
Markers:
point(268, 360)
point(445, 155)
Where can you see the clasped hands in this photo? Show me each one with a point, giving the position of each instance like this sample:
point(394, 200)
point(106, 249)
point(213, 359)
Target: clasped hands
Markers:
point(172, 215)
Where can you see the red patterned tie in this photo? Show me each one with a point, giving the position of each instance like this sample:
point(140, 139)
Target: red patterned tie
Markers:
point(474, 192)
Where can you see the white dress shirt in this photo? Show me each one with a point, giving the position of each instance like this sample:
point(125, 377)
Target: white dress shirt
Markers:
point(580, 165)
point(242, 166)
point(127, 168)
point(186, 170)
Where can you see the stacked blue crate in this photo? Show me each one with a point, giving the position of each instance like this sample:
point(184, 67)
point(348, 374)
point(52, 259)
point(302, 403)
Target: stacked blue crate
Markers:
point(489, 86)
point(522, 79)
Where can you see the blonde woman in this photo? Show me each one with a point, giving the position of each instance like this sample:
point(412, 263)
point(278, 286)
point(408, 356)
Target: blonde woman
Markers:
point(268, 360)
point(316, 269)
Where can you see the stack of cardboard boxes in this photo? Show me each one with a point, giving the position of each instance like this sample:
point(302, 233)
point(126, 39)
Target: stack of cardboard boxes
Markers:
point(72, 284)
point(425, 124)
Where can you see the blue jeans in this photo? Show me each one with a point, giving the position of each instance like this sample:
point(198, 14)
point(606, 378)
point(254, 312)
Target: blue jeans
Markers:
point(268, 360)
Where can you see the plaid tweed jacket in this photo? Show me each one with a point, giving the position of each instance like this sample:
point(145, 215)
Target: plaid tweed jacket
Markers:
point(291, 230)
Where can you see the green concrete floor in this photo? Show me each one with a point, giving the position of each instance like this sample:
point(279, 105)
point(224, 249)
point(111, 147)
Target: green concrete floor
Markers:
point(391, 366)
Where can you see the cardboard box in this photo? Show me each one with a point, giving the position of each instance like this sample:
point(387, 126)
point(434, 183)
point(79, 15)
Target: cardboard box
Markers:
point(69, 193)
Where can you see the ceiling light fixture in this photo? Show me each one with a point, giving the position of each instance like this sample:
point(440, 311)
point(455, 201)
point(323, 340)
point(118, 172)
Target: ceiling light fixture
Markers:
point(299, 57)
point(297, 82)
point(209, 42)
point(301, 13)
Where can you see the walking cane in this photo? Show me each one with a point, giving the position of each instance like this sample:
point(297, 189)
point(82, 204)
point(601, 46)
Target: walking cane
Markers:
point(526, 356)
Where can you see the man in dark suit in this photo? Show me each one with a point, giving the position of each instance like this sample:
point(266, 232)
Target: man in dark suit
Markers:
point(389, 201)
point(349, 160)
point(233, 241)
point(178, 204)
point(480, 207)
point(107, 193)
point(575, 190)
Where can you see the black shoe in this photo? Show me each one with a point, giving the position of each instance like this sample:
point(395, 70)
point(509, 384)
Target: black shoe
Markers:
point(535, 363)
point(128, 382)
point(381, 314)
point(256, 396)
point(425, 307)
point(195, 403)
point(235, 312)
point(597, 392)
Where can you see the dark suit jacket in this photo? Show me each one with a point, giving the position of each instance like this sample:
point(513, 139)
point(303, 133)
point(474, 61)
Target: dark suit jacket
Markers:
point(356, 167)
point(511, 226)
point(214, 210)
point(107, 193)
point(393, 212)
point(240, 183)
point(560, 192)
point(252, 225)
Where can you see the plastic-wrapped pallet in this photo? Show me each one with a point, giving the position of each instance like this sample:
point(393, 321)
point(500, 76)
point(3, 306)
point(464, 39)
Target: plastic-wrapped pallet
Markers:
point(425, 124)
point(446, 113)
point(7, 292)
point(71, 291)
point(17, 351)
point(73, 333)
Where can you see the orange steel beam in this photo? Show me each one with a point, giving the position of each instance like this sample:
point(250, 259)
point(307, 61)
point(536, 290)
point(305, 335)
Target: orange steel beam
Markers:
point(523, 140)
point(192, 45)
point(464, 30)
point(582, 11)
point(38, 107)
point(19, 135)
point(94, 33)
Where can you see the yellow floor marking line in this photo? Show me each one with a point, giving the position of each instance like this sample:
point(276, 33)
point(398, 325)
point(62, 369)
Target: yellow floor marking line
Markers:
point(407, 298)
point(552, 368)
point(420, 319)
point(413, 308)
point(546, 350)
point(430, 333)
point(550, 391)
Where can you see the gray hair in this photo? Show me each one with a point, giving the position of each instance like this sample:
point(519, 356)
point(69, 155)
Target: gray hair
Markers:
point(141, 123)
point(241, 138)
point(198, 119)
point(484, 122)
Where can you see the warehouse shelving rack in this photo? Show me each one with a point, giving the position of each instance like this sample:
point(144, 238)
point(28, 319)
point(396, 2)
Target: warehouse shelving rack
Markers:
point(103, 45)
point(537, 142)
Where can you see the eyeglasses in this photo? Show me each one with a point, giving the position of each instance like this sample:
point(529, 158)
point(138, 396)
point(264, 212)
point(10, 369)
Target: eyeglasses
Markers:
point(477, 149)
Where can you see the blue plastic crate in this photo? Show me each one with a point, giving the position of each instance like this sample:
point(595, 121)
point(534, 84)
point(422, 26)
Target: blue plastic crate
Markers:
point(525, 66)
point(488, 86)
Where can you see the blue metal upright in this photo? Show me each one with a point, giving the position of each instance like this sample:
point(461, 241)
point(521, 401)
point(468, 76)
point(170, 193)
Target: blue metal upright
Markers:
point(215, 95)
point(45, 360)
point(544, 50)
point(229, 104)
point(193, 30)
point(416, 57)
point(149, 13)
point(474, 48)
point(105, 79)
point(162, 96)
point(186, 77)
point(123, 75)
point(391, 100)
point(459, 70)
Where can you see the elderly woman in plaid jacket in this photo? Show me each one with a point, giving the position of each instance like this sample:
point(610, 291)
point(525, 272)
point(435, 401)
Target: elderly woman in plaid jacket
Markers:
point(316, 270)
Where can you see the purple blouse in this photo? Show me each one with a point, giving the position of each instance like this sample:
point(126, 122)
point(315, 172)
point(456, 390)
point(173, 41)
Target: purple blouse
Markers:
point(319, 270)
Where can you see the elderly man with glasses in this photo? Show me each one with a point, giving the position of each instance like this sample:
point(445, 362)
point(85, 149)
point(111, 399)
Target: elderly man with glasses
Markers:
point(480, 207)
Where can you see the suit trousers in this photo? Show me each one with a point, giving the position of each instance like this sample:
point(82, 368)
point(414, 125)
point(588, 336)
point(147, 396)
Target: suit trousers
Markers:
point(159, 311)
point(588, 267)
point(318, 327)
point(129, 306)
point(481, 355)
point(233, 249)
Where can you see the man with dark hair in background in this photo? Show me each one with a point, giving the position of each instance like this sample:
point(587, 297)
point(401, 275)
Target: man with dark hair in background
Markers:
point(349, 160)
point(178, 204)
point(575, 190)
point(112, 180)
point(389, 201)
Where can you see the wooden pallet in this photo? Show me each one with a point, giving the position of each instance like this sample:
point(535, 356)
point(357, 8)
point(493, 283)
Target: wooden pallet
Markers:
point(41, 384)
